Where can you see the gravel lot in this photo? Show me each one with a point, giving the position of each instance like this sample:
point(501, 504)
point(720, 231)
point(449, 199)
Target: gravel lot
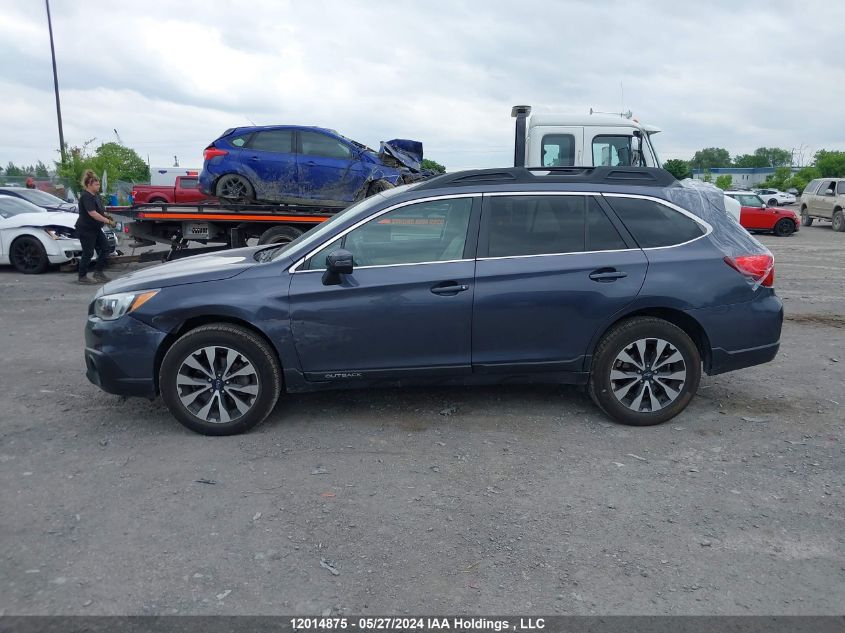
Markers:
point(487, 500)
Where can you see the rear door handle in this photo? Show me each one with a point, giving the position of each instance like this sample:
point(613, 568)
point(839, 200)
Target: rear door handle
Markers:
point(607, 274)
point(449, 288)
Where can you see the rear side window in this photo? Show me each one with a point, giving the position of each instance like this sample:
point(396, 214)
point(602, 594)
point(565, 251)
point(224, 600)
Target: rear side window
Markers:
point(239, 141)
point(273, 141)
point(601, 234)
point(810, 189)
point(535, 225)
point(558, 150)
point(653, 224)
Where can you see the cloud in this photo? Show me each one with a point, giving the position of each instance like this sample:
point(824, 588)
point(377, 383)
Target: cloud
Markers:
point(171, 77)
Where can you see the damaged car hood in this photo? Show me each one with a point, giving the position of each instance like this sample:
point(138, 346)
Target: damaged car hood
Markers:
point(190, 270)
point(48, 218)
point(408, 153)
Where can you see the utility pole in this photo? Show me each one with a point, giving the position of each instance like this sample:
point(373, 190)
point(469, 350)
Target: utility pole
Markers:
point(56, 85)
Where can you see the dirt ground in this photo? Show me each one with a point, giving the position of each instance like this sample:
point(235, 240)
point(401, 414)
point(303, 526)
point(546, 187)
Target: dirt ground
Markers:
point(470, 501)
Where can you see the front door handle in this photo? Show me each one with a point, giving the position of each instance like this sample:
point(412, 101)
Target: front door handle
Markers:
point(449, 288)
point(607, 274)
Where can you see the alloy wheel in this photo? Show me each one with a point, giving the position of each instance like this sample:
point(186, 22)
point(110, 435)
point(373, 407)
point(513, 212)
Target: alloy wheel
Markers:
point(648, 375)
point(217, 384)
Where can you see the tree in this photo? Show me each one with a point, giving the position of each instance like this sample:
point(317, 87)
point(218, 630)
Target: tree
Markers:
point(121, 163)
point(802, 178)
point(14, 170)
point(724, 182)
point(678, 168)
point(750, 160)
point(831, 164)
point(778, 179)
point(41, 170)
point(432, 165)
point(711, 157)
point(774, 156)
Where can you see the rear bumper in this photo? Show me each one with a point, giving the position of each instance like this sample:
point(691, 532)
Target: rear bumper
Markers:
point(742, 334)
point(120, 356)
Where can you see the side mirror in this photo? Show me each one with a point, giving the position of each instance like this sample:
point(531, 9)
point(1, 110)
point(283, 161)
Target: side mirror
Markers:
point(338, 263)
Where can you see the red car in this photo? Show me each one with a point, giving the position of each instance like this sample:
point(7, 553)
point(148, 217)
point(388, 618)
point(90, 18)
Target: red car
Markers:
point(756, 215)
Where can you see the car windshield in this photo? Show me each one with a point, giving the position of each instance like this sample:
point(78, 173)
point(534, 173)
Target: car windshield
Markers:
point(36, 196)
point(10, 206)
point(315, 235)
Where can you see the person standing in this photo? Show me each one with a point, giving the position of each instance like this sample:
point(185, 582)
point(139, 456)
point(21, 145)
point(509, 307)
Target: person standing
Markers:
point(89, 227)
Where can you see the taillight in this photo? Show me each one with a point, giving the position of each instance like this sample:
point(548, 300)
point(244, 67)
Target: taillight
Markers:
point(759, 268)
point(213, 152)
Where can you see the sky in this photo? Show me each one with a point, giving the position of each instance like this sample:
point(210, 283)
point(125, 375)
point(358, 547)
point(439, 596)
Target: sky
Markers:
point(170, 77)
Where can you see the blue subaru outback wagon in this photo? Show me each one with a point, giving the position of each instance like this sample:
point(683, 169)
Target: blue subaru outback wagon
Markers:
point(620, 280)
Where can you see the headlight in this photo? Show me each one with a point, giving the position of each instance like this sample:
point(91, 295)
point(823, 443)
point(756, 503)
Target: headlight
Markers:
point(60, 233)
point(111, 307)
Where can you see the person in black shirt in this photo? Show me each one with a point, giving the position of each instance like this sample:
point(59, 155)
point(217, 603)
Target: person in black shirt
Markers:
point(89, 227)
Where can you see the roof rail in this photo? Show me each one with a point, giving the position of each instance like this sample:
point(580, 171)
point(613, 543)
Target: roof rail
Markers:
point(636, 176)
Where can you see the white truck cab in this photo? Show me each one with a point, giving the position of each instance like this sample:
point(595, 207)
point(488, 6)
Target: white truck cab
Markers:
point(558, 140)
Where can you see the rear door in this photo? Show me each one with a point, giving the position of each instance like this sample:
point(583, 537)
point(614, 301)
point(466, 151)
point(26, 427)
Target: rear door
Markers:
point(550, 269)
point(329, 169)
point(269, 161)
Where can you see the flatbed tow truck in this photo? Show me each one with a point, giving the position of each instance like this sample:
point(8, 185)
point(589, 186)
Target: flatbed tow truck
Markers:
point(223, 224)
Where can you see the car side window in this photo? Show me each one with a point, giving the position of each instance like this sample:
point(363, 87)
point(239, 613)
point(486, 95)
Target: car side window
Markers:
point(653, 224)
point(601, 234)
point(535, 225)
point(558, 150)
point(433, 231)
point(827, 188)
point(811, 188)
point(240, 141)
point(840, 188)
point(750, 201)
point(280, 141)
point(190, 183)
point(316, 144)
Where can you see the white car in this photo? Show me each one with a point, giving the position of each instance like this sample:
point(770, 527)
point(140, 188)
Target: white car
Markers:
point(31, 239)
point(774, 198)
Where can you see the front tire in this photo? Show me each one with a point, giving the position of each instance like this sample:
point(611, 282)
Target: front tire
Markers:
point(279, 235)
point(784, 228)
point(220, 379)
point(645, 371)
point(29, 256)
point(838, 221)
point(806, 219)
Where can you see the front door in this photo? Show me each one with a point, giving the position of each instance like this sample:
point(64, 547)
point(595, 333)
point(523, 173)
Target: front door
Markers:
point(551, 269)
point(405, 310)
point(330, 171)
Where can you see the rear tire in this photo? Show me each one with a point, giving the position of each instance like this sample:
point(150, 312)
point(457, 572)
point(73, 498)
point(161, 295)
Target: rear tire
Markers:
point(838, 221)
point(773, 202)
point(28, 256)
point(279, 235)
point(632, 379)
point(234, 187)
point(784, 228)
point(220, 379)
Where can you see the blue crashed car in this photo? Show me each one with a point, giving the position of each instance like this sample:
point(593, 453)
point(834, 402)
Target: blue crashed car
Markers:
point(620, 280)
point(304, 165)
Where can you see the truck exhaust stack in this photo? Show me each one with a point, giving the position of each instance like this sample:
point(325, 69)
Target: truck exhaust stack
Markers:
point(521, 113)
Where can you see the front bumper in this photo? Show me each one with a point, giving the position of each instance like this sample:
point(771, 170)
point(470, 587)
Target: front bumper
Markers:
point(120, 355)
